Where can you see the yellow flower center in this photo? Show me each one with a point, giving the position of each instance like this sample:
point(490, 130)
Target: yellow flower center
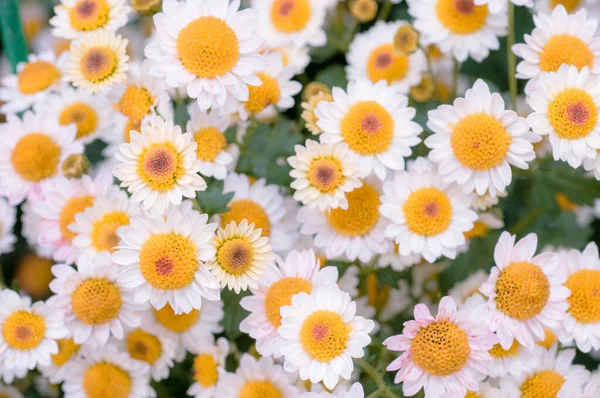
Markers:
point(268, 93)
point(406, 39)
point(368, 128)
point(364, 10)
point(472, 394)
point(522, 290)
point(573, 114)
point(160, 166)
point(564, 202)
point(325, 174)
point(584, 301)
point(169, 261)
point(565, 49)
point(143, 346)
point(208, 47)
point(33, 275)
point(82, 115)
point(324, 335)
point(570, 5)
point(103, 379)
point(178, 323)
point(135, 103)
point(289, 16)
point(428, 211)
point(23, 330)
point(36, 157)
point(104, 230)
point(549, 339)
point(236, 256)
point(260, 389)
point(280, 293)
point(211, 142)
point(205, 370)
point(131, 125)
point(441, 349)
point(498, 352)
point(66, 349)
point(67, 214)
point(98, 64)
point(461, 17)
point(479, 230)
point(386, 64)
point(545, 383)
point(423, 91)
point(37, 76)
point(88, 15)
point(362, 214)
point(480, 141)
point(249, 210)
point(96, 301)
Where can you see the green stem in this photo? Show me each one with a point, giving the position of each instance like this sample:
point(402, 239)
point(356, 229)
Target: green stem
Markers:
point(455, 73)
point(384, 11)
point(13, 39)
point(379, 392)
point(528, 219)
point(510, 55)
point(377, 378)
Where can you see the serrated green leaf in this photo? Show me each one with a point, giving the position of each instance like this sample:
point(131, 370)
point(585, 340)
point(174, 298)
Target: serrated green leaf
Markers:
point(213, 200)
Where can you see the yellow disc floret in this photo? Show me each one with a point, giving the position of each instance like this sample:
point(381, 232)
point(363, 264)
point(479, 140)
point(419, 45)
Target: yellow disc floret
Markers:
point(362, 214)
point(479, 230)
point(160, 166)
point(384, 63)
point(289, 16)
point(235, 256)
point(260, 389)
point(249, 210)
point(211, 142)
point(325, 174)
point(23, 330)
point(522, 290)
point(280, 293)
point(135, 103)
point(545, 383)
point(36, 157)
point(565, 49)
point(66, 350)
point(570, 5)
point(584, 301)
point(441, 349)
point(406, 39)
point(104, 230)
point(461, 17)
point(72, 207)
point(37, 76)
point(205, 370)
point(178, 323)
point(103, 379)
point(98, 64)
point(498, 352)
point(88, 15)
point(324, 335)
point(268, 93)
point(96, 301)
point(573, 114)
point(143, 346)
point(82, 115)
point(34, 274)
point(428, 211)
point(368, 128)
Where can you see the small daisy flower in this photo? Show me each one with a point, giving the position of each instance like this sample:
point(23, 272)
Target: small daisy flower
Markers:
point(398, 262)
point(525, 293)
point(295, 57)
point(163, 259)
point(442, 354)
point(571, 6)
point(68, 351)
point(209, 365)
point(323, 174)
point(300, 272)
point(517, 360)
point(376, 123)
point(209, 70)
point(497, 6)
point(75, 18)
point(355, 391)
point(558, 38)
point(107, 373)
point(41, 75)
point(565, 106)
point(32, 150)
point(485, 223)
point(462, 290)
point(256, 378)
point(309, 113)
point(487, 201)
point(372, 56)
point(428, 216)
point(97, 61)
point(159, 166)
point(28, 331)
point(8, 216)
point(460, 29)
point(322, 334)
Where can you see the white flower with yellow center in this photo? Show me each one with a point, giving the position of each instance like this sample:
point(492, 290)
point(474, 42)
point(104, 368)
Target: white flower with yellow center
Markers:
point(355, 391)
point(213, 152)
point(8, 215)
point(300, 272)
point(294, 57)
point(376, 123)
point(487, 201)
point(68, 351)
point(220, 65)
point(460, 28)
point(97, 61)
point(28, 331)
point(32, 151)
point(159, 165)
point(554, 375)
point(35, 79)
point(323, 174)
point(75, 18)
point(322, 334)
point(558, 38)
point(428, 217)
point(566, 107)
point(372, 56)
point(476, 139)
point(256, 378)
point(163, 260)
point(516, 360)
point(263, 206)
point(398, 262)
point(525, 293)
point(107, 372)
point(291, 21)
point(497, 6)
point(572, 6)
point(209, 365)
point(354, 233)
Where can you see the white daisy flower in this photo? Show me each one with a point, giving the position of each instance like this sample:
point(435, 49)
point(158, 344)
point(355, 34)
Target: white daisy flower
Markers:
point(376, 123)
point(300, 272)
point(323, 174)
point(209, 70)
point(163, 260)
point(107, 373)
point(565, 106)
point(8, 216)
point(372, 56)
point(497, 6)
point(294, 57)
point(9, 392)
point(398, 262)
point(517, 360)
point(487, 201)
point(28, 331)
point(159, 166)
point(428, 217)
point(355, 391)
point(465, 289)
point(558, 38)
point(525, 293)
point(571, 6)
point(485, 223)
point(322, 334)
point(68, 351)
point(32, 150)
point(460, 29)
point(447, 353)
point(39, 76)
point(74, 18)
point(209, 365)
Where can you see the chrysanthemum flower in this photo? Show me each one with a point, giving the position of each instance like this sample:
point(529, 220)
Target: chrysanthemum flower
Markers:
point(68, 351)
point(8, 216)
point(309, 110)
point(497, 6)
point(209, 365)
point(355, 391)
point(295, 57)
point(398, 262)
point(74, 18)
point(571, 6)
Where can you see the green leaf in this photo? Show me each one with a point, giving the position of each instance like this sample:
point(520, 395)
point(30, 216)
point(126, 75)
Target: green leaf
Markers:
point(333, 76)
point(181, 115)
point(213, 200)
point(234, 313)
